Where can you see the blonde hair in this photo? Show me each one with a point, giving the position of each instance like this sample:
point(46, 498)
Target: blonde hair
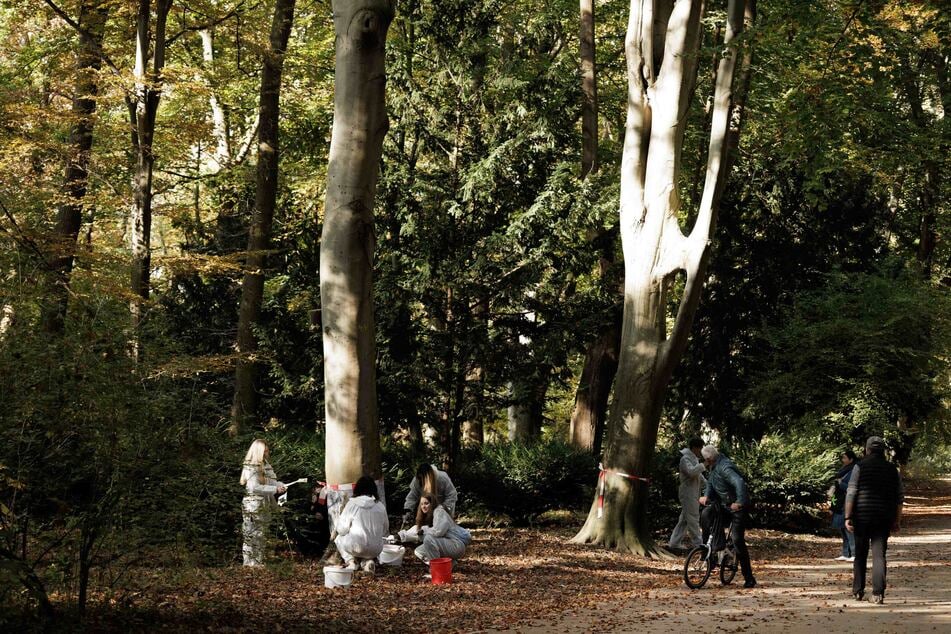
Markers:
point(256, 458)
point(429, 485)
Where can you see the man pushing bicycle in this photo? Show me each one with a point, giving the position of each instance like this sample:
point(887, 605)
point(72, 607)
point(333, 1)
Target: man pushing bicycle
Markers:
point(726, 486)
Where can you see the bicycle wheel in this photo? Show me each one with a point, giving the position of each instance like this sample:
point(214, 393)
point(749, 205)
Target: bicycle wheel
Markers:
point(728, 566)
point(697, 567)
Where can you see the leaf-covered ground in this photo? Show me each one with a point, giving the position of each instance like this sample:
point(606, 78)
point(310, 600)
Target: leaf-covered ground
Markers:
point(535, 579)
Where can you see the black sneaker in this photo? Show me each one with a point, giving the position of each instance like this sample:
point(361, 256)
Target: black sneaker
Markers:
point(858, 596)
point(750, 583)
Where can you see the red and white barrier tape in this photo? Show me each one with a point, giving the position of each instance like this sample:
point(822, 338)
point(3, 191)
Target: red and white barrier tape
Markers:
point(601, 479)
point(343, 488)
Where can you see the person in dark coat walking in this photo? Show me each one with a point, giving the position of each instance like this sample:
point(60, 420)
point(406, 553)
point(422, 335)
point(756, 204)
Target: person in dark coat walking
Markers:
point(873, 506)
point(841, 486)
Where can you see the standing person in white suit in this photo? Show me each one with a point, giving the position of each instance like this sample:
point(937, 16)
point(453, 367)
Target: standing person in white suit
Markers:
point(692, 483)
point(362, 526)
point(261, 485)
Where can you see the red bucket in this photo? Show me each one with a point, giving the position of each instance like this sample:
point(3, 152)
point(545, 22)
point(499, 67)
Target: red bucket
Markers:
point(441, 570)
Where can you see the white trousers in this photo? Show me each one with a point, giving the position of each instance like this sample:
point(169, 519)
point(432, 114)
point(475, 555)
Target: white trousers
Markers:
point(688, 526)
point(351, 549)
point(254, 528)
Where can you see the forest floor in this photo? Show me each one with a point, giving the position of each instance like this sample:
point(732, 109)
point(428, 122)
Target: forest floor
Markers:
point(533, 580)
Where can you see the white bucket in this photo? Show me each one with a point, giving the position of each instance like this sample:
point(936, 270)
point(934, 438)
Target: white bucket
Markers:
point(392, 555)
point(336, 577)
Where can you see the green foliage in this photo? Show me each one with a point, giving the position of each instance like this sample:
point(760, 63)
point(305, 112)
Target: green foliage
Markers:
point(861, 355)
point(788, 475)
point(525, 480)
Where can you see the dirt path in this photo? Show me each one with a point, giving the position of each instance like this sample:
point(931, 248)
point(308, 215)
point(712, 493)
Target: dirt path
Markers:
point(806, 591)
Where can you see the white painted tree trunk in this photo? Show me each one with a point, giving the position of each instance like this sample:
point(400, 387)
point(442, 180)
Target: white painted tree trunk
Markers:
point(661, 47)
point(347, 241)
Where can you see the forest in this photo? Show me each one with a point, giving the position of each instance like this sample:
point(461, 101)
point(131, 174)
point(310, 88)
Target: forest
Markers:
point(530, 242)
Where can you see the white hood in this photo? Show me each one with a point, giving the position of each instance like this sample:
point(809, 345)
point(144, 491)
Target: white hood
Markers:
point(363, 501)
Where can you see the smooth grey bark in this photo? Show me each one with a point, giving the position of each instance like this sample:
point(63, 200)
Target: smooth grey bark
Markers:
point(219, 116)
point(91, 23)
point(149, 64)
point(526, 414)
point(244, 404)
point(347, 242)
point(662, 69)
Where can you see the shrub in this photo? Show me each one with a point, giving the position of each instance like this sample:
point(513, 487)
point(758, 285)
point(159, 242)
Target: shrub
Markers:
point(788, 478)
point(525, 480)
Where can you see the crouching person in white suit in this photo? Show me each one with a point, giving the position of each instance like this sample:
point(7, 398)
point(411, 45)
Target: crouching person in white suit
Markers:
point(440, 535)
point(362, 526)
point(261, 485)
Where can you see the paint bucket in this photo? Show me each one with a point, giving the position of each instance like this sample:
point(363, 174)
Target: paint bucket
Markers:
point(441, 570)
point(337, 577)
point(392, 555)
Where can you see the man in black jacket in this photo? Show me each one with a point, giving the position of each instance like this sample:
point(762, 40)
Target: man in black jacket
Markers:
point(873, 505)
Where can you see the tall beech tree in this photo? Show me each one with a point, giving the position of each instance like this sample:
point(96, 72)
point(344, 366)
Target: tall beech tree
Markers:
point(244, 406)
point(90, 30)
point(347, 241)
point(661, 48)
point(143, 107)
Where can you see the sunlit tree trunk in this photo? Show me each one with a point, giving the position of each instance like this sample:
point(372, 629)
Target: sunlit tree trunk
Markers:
point(149, 64)
point(92, 22)
point(526, 414)
point(244, 405)
point(661, 48)
point(219, 116)
point(347, 242)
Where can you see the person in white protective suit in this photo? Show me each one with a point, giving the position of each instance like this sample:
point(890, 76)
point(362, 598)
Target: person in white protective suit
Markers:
point(362, 527)
point(440, 535)
point(692, 483)
point(261, 485)
point(429, 480)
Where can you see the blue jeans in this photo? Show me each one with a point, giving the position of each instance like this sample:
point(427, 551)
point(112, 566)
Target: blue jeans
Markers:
point(848, 543)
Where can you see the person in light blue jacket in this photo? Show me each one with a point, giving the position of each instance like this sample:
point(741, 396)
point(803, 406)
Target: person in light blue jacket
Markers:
point(726, 486)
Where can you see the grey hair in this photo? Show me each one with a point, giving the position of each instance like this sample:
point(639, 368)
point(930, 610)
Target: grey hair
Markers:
point(709, 452)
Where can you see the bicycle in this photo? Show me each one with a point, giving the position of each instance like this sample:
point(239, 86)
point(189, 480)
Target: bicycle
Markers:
point(702, 559)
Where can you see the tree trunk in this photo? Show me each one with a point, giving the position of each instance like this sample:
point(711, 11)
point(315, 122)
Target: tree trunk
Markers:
point(600, 363)
point(589, 91)
point(473, 429)
point(244, 405)
point(219, 117)
point(594, 388)
point(662, 67)
point(148, 92)
point(347, 242)
point(92, 22)
point(526, 414)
